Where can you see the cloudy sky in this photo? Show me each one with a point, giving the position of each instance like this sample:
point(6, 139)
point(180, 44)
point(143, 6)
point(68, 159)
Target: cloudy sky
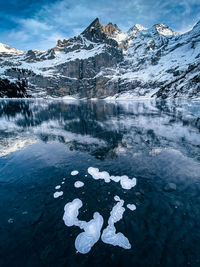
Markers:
point(38, 24)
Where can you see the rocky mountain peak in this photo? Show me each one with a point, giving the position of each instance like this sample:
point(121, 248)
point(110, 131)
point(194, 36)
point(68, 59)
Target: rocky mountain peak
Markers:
point(5, 49)
point(103, 61)
point(134, 30)
point(164, 30)
point(94, 25)
point(96, 32)
point(137, 27)
point(110, 29)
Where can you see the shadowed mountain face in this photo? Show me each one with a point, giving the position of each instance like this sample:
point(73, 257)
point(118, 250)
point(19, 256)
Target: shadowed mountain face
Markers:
point(42, 142)
point(103, 61)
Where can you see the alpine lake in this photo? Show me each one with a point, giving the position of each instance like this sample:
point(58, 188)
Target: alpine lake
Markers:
point(99, 183)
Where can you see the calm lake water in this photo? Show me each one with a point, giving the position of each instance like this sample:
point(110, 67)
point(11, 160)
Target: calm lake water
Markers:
point(42, 142)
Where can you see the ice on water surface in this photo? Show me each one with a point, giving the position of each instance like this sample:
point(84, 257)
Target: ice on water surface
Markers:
point(78, 184)
point(109, 234)
point(73, 173)
point(125, 181)
point(58, 194)
point(57, 187)
point(131, 207)
point(71, 212)
point(92, 229)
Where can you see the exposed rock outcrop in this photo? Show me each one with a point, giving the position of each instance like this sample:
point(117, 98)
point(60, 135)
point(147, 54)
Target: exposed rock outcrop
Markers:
point(103, 61)
point(13, 90)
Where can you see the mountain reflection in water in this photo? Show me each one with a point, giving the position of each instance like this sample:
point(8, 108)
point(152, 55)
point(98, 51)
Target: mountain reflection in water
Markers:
point(42, 141)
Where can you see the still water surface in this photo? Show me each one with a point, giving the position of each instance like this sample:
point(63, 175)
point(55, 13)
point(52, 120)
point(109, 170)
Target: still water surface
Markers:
point(42, 142)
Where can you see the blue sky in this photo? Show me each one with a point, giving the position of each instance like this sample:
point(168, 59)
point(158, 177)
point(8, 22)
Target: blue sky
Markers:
point(38, 24)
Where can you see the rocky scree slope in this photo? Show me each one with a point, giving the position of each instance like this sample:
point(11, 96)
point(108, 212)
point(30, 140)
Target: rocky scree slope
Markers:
point(104, 62)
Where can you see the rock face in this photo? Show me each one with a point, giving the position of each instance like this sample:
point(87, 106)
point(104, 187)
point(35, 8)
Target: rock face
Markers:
point(13, 90)
point(103, 61)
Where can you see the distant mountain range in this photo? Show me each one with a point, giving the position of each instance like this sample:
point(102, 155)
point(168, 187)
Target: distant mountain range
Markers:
point(104, 62)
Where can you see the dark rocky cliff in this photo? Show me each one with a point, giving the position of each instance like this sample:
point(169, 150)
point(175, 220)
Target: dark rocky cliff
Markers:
point(102, 61)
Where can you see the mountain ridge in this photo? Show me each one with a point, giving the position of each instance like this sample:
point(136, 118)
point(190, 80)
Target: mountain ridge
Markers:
point(103, 62)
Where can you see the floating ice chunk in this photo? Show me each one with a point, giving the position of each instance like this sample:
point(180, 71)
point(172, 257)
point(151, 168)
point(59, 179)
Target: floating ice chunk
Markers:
point(92, 230)
point(78, 184)
point(109, 235)
point(117, 212)
point(131, 207)
point(94, 172)
point(127, 183)
point(124, 180)
point(116, 198)
point(58, 194)
point(73, 173)
point(10, 220)
point(57, 187)
point(116, 179)
point(71, 212)
point(62, 182)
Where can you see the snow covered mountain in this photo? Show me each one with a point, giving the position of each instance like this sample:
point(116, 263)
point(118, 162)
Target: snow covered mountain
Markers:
point(7, 50)
point(105, 62)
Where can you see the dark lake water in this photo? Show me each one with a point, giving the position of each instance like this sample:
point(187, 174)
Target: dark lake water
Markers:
point(42, 142)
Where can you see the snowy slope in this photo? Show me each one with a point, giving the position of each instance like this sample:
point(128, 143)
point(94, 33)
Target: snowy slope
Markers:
point(105, 62)
point(5, 49)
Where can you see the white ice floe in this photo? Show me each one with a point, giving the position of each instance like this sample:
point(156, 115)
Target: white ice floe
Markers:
point(71, 212)
point(58, 194)
point(131, 207)
point(124, 180)
point(78, 184)
point(109, 235)
point(73, 173)
point(116, 198)
point(62, 182)
point(57, 187)
point(92, 229)
point(127, 183)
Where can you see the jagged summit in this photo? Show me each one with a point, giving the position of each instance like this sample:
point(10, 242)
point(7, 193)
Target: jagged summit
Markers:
point(110, 29)
point(95, 23)
point(164, 30)
point(134, 30)
point(104, 61)
point(97, 32)
point(136, 27)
